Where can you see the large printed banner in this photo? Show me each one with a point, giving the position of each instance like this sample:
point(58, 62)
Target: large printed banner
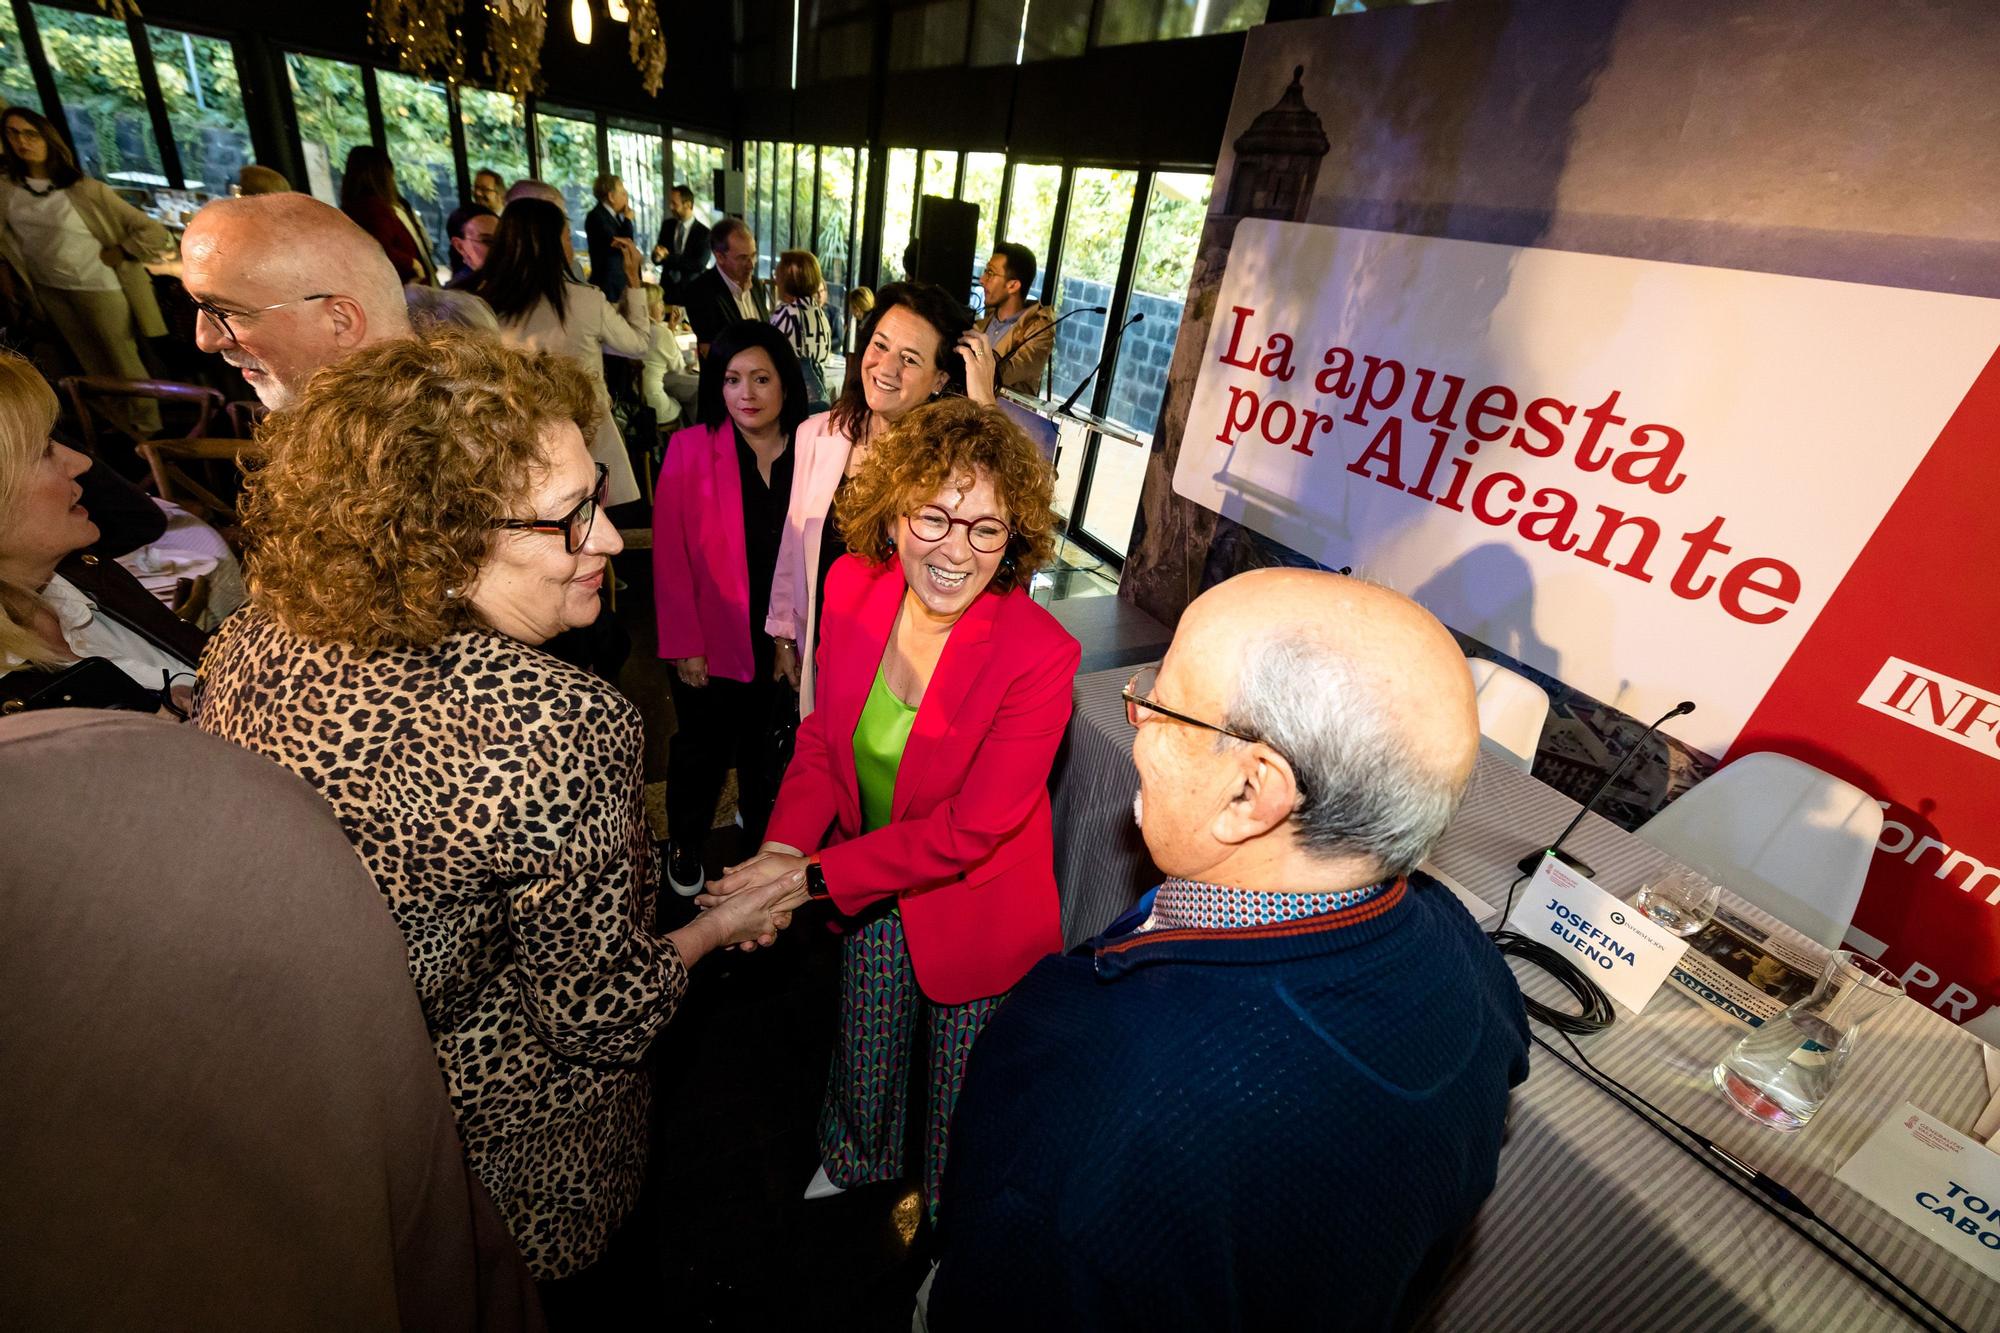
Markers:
point(1658, 482)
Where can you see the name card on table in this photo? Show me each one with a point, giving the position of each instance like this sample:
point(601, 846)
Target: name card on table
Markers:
point(1616, 945)
point(1934, 1180)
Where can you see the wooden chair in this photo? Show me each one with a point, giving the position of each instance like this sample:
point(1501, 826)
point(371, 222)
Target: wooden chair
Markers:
point(195, 404)
point(174, 463)
point(245, 417)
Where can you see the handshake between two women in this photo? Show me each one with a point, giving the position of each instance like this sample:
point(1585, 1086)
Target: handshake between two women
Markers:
point(770, 885)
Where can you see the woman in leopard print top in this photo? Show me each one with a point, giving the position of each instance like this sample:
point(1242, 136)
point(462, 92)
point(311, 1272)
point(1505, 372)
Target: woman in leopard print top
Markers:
point(427, 518)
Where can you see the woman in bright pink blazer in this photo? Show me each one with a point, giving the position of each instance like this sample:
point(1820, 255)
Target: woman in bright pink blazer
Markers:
point(917, 800)
point(718, 513)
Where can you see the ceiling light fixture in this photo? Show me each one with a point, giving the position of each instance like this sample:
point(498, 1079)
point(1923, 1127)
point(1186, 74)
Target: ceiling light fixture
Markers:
point(579, 20)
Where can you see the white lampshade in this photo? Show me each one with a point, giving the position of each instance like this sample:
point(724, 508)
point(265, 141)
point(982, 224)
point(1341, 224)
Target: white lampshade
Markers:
point(579, 20)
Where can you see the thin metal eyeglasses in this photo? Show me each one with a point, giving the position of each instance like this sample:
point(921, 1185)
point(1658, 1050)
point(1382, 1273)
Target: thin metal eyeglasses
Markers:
point(575, 525)
point(1138, 706)
point(932, 524)
point(220, 317)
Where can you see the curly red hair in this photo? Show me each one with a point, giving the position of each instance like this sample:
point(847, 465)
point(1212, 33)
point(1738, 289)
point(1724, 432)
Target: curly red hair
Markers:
point(376, 506)
point(935, 445)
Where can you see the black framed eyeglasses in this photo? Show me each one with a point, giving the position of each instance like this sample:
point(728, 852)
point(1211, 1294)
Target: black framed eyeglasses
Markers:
point(575, 525)
point(219, 317)
point(932, 524)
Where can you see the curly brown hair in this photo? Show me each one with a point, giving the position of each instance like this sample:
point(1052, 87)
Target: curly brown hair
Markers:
point(377, 505)
point(929, 448)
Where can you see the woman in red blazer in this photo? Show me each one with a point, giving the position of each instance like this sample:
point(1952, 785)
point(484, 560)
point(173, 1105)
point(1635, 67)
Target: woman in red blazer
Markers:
point(917, 799)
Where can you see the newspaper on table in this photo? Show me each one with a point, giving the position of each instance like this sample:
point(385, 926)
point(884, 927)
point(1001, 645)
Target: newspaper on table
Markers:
point(1743, 971)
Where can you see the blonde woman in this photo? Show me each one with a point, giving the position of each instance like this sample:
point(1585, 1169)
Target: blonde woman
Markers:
point(76, 629)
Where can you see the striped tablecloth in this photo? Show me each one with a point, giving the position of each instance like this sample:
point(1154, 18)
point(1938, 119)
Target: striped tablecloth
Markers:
point(1596, 1222)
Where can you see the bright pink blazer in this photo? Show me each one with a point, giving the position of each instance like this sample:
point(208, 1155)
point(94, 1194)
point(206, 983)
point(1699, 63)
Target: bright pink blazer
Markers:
point(701, 575)
point(969, 853)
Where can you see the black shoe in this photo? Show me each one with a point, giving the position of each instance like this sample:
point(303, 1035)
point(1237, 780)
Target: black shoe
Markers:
point(684, 873)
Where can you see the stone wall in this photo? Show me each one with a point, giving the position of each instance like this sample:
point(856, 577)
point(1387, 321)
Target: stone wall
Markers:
point(1143, 360)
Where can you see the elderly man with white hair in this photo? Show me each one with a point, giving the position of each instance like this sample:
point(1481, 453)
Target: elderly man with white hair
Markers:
point(1272, 1096)
point(286, 284)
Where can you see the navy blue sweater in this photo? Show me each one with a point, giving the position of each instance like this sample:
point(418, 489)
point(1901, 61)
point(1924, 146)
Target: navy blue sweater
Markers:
point(1270, 1128)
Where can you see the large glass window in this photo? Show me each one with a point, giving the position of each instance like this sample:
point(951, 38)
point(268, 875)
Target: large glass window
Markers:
point(333, 117)
point(569, 162)
point(97, 78)
point(983, 173)
point(1159, 20)
point(1007, 32)
point(898, 203)
point(496, 133)
point(941, 173)
point(838, 184)
point(416, 125)
point(756, 200)
point(929, 35)
point(17, 81)
point(809, 165)
point(695, 165)
point(783, 199)
point(204, 106)
point(1100, 209)
point(1031, 213)
point(637, 157)
point(1175, 211)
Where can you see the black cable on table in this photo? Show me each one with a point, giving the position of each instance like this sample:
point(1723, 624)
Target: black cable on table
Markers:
point(1594, 1012)
point(1755, 1190)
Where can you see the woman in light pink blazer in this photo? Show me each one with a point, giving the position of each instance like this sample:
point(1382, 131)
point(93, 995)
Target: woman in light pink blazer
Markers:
point(718, 514)
point(917, 344)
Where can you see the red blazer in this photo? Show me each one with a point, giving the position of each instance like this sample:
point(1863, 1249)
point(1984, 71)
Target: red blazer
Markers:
point(378, 218)
point(701, 572)
point(969, 852)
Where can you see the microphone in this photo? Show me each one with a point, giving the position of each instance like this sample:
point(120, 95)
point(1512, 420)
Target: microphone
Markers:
point(1526, 865)
point(1049, 328)
point(1109, 348)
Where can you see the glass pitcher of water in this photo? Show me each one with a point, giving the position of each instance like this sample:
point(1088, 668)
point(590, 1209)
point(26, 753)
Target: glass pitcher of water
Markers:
point(1781, 1073)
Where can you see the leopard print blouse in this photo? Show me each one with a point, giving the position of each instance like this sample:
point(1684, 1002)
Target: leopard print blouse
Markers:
point(494, 792)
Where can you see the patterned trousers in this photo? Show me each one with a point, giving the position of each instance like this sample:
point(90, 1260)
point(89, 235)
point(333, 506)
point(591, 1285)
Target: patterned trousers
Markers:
point(861, 1121)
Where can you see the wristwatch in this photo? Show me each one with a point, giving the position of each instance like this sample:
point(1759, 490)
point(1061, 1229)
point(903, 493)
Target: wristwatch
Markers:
point(816, 881)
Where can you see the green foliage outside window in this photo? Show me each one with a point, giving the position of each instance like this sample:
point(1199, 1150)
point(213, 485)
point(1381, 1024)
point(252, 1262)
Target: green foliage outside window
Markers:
point(204, 106)
point(333, 117)
point(416, 127)
point(97, 78)
point(17, 82)
point(496, 133)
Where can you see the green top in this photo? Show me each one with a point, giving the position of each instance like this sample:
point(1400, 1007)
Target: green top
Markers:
point(879, 738)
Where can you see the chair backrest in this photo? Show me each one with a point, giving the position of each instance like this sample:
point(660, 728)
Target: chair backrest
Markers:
point(1780, 833)
point(245, 417)
point(84, 390)
point(1512, 709)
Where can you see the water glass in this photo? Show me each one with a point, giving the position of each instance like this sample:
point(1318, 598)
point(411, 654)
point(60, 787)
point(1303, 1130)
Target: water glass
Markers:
point(1680, 899)
point(1781, 1073)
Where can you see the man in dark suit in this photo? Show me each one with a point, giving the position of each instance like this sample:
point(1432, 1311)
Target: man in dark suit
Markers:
point(682, 248)
point(608, 227)
point(730, 291)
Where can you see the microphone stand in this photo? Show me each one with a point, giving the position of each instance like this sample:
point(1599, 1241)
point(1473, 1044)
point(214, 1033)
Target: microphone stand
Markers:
point(1109, 347)
point(1527, 864)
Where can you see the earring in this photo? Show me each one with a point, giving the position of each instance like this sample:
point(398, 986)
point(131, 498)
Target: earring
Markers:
point(453, 594)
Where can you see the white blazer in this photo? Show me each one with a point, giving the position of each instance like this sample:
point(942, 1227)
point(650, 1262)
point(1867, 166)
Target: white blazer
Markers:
point(592, 329)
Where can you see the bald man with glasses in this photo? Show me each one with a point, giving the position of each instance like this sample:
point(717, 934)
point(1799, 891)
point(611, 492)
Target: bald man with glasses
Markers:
point(1272, 1095)
point(285, 284)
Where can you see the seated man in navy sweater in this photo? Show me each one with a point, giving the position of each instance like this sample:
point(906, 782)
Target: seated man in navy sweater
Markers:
point(1271, 1096)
